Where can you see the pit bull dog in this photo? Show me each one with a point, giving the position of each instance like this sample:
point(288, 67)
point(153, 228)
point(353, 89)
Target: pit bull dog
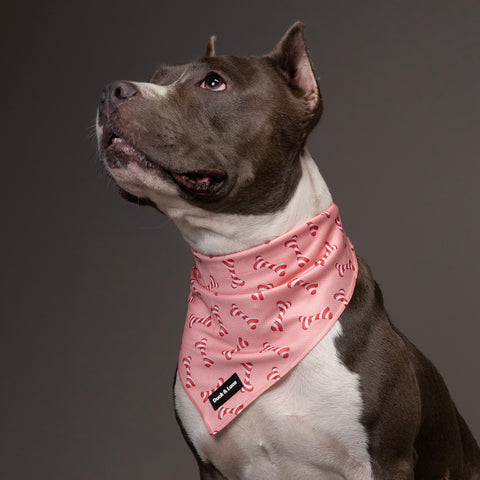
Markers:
point(289, 367)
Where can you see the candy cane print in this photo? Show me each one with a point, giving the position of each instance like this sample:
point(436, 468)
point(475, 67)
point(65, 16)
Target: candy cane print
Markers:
point(338, 224)
point(236, 282)
point(215, 309)
point(306, 321)
point(342, 268)
point(207, 321)
point(278, 325)
point(302, 260)
point(212, 284)
point(310, 287)
point(189, 383)
point(193, 292)
point(206, 393)
point(236, 312)
point(260, 289)
point(340, 296)
point(313, 227)
point(202, 346)
point(282, 351)
point(241, 343)
point(273, 375)
point(222, 411)
point(278, 268)
point(326, 213)
point(328, 251)
point(247, 369)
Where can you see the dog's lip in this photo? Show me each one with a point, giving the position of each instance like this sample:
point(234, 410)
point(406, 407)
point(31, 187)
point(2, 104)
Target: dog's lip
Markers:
point(200, 182)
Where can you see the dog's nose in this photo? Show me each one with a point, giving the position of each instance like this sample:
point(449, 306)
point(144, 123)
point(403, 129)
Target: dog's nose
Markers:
point(115, 94)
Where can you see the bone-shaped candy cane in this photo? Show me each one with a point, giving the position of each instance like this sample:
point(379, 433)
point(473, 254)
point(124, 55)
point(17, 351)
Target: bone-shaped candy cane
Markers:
point(278, 325)
point(236, 312)
point(342, 268)
point(222, 411)
point(235, 281)
point(241, 343)
point(278, 268)
point(202, 346)
point(194, 293)
point(338, 224)
point(189, 382)
point(273, 375)
point(216, 313)
point(302, 259)
point(212, 284)
point(258, 295)
point(310, 287)
point(247, 369)
point(328, 251)
point(340, 296)
point(206, 393)
point(306, 321)
point(313, 227)
point(282, 351)
point(192, 320)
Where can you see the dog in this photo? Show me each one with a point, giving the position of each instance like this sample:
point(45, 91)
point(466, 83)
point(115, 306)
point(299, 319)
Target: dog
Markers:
point(218, 145)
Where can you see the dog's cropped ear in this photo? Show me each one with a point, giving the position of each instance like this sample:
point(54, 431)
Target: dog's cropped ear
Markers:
point(210, 51)
point(292, 56)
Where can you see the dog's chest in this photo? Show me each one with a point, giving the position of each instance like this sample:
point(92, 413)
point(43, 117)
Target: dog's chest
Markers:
point(306, 426)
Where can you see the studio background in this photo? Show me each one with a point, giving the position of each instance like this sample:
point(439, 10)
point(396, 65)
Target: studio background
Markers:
point(94, 288)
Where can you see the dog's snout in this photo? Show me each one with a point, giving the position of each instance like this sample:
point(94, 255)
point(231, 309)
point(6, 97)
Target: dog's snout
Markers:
point(115, 94)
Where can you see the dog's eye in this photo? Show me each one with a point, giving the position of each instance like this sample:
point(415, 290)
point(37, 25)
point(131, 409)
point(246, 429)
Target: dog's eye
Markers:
point(213, 82)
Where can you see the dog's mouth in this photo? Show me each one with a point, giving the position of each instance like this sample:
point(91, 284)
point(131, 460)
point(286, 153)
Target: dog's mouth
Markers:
point(119, 152)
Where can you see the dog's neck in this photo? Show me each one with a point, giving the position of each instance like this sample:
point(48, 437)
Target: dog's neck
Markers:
point(220, 234)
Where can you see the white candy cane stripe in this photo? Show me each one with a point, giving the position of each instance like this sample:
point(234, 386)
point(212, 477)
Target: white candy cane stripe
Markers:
point(206, 393)
point(328, 251)
point(236, 282)
point(247, 368)
point(282, 351)
point(207, 321)
point(222, 411)
point(236, 312)
point(302, 259)
point(338, 223)
point(342, 268)
point(340, 296)
point(313, 227)
point(306, 321)
point(273, 375)
point(261, 288)
point(212, 284)
point(202, 346)
point(278, 325)
point(216, 313)
point(278, 268)
point(189, 383)
point(241, 343)
point(193, 292)
point(310, 287)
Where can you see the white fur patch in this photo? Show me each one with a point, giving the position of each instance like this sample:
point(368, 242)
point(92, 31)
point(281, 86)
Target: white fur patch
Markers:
point(307, 426)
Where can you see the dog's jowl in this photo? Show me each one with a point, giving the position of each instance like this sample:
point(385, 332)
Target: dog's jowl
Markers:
point(289, 366)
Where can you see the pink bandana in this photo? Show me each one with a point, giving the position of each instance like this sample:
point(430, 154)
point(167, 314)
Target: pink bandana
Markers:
point(254, 315)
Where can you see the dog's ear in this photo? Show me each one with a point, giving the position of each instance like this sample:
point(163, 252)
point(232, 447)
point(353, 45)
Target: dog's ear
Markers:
point(292, 56)
point(210, 51)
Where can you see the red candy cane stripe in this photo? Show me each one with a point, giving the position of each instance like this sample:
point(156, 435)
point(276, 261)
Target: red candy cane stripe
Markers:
point(189, 383)
point(338, 224)
point(282, 351)
point(241, 343)
point(202, 346)
point(340, 296)
point(261, 288)
point(236, 282)
point(342, 268)
point(325, 314)
point(302, 260)
point(279, 268)
point(207, 321)
point(310, 287)
point(278, 325)
point(247, 368)
point(328, 251)
point(313, 227)
point(236, 312)
point(273, 375)
point(216, 313)
point(222, 411)
point(206, 393)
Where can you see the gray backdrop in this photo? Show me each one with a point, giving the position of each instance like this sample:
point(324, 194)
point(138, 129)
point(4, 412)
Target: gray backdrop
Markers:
point(93, 288)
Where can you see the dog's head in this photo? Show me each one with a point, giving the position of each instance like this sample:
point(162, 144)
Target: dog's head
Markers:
point(222, 133)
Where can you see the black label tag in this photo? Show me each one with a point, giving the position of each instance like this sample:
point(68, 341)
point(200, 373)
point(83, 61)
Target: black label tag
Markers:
point(225, 392)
